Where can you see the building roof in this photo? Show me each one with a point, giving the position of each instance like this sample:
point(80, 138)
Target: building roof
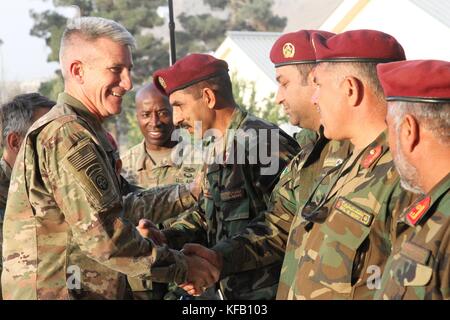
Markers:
point(257, 46)
point(439, 9)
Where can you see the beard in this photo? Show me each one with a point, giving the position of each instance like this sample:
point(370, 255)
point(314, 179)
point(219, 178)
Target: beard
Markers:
point(409, 175)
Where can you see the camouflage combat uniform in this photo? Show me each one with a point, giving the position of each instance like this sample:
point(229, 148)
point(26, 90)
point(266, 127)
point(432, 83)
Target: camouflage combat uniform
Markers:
point(69, 233)
point(148, 169)
point(264, 240)
point(419, 267)
point(234, 195)
point(344, 227)
point(5, 176)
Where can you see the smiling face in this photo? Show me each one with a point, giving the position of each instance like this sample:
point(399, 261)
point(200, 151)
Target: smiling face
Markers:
point(105, 76)
point(154, 115)
point(294, 93)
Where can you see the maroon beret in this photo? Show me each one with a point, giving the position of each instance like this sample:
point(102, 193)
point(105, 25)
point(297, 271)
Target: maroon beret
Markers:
point(295, 48)
point(358, 46)
point(416, 81)
point(190, 70)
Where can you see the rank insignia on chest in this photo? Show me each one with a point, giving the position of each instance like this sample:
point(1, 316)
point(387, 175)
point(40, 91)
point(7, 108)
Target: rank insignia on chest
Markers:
point(418, 211)
point(373, 155)
point(353, 211)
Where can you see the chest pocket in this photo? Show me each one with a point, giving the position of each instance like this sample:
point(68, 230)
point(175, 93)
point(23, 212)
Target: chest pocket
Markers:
point(411, 269)
point(341, 254)
point(235, 207)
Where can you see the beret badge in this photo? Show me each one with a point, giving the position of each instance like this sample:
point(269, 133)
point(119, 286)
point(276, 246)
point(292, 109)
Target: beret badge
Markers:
point(288, 50)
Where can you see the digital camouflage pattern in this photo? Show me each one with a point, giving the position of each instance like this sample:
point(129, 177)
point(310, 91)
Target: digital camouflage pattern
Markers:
point(69, 233)
point(332, 249)
point(148, 169)
point(234, 195)
point(5, 176)
point(419, 268)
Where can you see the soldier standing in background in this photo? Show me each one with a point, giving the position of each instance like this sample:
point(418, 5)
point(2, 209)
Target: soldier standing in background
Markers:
point(151, 164)
point(16, 117)
point(418, 94)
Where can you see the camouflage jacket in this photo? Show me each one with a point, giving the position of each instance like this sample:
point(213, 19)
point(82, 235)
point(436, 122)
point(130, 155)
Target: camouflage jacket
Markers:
point(264, 240)
point(139, 167)
point(146, 170)
point(5, 176)
point(419, 267)
point(236, 193)
point(69, 233)
point(343, 230)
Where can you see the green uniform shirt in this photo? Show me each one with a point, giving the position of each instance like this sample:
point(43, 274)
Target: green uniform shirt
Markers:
point(418, 267)
point(68, 231)
point(236, 194)
point(344, 228)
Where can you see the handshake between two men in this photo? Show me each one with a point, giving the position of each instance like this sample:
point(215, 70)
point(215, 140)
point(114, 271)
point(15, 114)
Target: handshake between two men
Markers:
point(203, 265)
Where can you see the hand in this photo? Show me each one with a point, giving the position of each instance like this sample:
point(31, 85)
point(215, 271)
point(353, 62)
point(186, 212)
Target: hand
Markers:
point(149, 230)
point(201, 275)
point(209, 255)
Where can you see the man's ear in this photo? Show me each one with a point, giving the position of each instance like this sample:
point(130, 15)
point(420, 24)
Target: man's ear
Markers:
point(13, 141)
point(209, 97)
point(77, 71)
point(409, 133)
point(354, 90)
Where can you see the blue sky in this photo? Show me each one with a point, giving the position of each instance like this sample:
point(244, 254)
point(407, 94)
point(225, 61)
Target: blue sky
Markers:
point(22, 57)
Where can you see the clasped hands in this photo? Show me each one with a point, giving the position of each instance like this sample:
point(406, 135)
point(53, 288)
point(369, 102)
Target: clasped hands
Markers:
point(204, 265)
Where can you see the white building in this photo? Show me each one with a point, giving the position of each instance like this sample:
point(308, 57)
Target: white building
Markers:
point(421, 26)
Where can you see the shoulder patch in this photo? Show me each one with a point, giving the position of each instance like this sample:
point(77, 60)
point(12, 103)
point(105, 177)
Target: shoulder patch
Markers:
point(91, 171)
point(353, 211)
point(418, 211)
point(373, 155)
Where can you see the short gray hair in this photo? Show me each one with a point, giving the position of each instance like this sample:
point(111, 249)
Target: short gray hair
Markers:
point(93, 28)
point(17, 115)
point(432, 116)
point(365, 71)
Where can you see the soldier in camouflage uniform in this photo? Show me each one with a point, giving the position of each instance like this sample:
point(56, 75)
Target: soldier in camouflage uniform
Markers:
point(68, 232)
point(418, 95)
point(16, 117)
point(237, 184)
point(343, 229)
point(150, 164)
point(263, 241)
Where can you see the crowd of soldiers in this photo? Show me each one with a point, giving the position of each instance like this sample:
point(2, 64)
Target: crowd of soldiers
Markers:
point(357, 206)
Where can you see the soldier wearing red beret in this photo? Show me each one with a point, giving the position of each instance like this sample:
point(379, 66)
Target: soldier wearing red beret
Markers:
point(343, 231)
point(236, 189)
point(418, 94)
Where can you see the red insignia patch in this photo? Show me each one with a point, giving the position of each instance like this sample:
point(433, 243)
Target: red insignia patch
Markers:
point(418, 211)
point(373, 155)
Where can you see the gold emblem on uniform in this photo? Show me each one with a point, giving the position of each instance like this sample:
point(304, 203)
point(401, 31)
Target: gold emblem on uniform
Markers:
point(162, 82)
point(288, 50)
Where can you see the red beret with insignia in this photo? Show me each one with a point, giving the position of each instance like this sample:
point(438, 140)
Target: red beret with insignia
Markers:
point(416, 81)
point(190, 70)
point(358, 46)
point(295, 48)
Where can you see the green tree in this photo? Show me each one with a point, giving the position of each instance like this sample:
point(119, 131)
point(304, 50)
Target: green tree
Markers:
point(204, 33)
